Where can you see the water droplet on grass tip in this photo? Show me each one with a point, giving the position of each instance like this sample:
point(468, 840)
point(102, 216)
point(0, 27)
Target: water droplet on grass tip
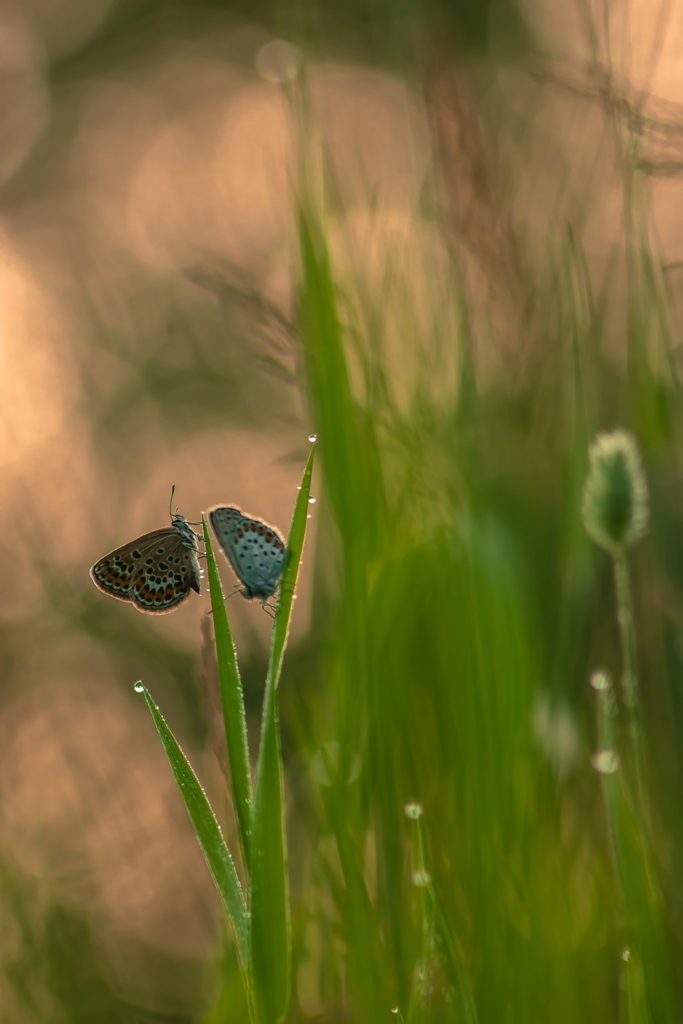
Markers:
point(606, 762)
point(139, 686)
point(312, 438)
point(600, 681)
point(421, 878)
point(626, 955)
point(413, 811)
point(394, 1009)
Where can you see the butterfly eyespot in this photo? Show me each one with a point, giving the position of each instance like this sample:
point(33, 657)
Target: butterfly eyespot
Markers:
point(269, 536)
point(117, 558)
point(160, 551)
point(163, 566)
point(260, 530)
point(149, 561)
point(135, 554)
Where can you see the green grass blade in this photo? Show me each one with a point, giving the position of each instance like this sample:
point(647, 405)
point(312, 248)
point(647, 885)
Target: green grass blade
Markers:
point(327, 375)
point(435, 922)
point(209, 835)
point(232, 702)
point(295, 546)
point(634, 1002)
point(270, 931)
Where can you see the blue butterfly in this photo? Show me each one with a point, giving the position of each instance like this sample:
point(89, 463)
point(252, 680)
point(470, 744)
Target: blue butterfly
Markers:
point(255, 550)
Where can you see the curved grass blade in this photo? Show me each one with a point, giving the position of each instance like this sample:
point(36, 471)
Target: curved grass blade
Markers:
point(209, 835)
point(270, 930)
point(232, 702)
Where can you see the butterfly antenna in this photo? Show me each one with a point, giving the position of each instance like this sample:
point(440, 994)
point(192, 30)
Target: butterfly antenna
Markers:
point(170, 504)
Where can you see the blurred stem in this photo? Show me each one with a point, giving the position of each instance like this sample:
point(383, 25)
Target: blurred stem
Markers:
point(418, 1008)
point(435, 924)
point(606, 713)
point(634, 1002)
point(629, 682)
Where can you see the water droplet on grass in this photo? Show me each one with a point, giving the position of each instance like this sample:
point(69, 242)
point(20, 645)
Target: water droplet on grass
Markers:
point(413, 811)
point(312, 501)
point(312, 438)
point(606, 762)
point(139, 686)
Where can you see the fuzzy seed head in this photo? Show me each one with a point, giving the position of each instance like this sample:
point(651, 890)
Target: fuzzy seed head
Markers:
point(615, 499)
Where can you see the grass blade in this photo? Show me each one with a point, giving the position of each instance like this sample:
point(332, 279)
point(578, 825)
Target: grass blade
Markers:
point(634, 1002)
point(232, 702)
point(270, 931)
point(329, 387)
point(209, 835)
point(295, 546)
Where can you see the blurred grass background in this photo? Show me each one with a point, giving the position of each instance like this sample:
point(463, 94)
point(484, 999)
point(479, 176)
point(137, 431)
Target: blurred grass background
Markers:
point(487, 273)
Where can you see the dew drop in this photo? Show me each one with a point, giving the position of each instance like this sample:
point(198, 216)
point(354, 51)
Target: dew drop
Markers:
point(299, 487)
point(606, 762)
point(421, 878)
point(600, 681)
point(394, 1009)
point(309, 516)
point(312, 501)
point(626, 955)
point(312, 438)
point(413, 811)
point(139, 686)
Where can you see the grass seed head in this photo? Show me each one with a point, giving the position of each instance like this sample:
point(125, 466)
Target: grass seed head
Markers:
point(615, 499)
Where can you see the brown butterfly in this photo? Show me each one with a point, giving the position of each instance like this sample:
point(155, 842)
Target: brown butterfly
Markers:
point(156, 572)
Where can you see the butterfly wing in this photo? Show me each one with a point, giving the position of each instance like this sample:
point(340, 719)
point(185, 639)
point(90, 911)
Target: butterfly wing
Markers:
point(255, 550)
point(155, 573)
point(113, 574)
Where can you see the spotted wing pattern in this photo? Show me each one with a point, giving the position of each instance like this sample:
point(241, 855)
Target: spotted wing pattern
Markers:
point(255, 550)
point(156, 572)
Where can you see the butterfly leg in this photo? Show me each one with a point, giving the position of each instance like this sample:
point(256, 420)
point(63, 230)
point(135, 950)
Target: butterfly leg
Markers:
point(237, 590)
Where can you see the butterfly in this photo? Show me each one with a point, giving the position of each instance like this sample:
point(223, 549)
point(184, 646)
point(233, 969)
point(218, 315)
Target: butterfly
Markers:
point(255, 550)
point(155, 572)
